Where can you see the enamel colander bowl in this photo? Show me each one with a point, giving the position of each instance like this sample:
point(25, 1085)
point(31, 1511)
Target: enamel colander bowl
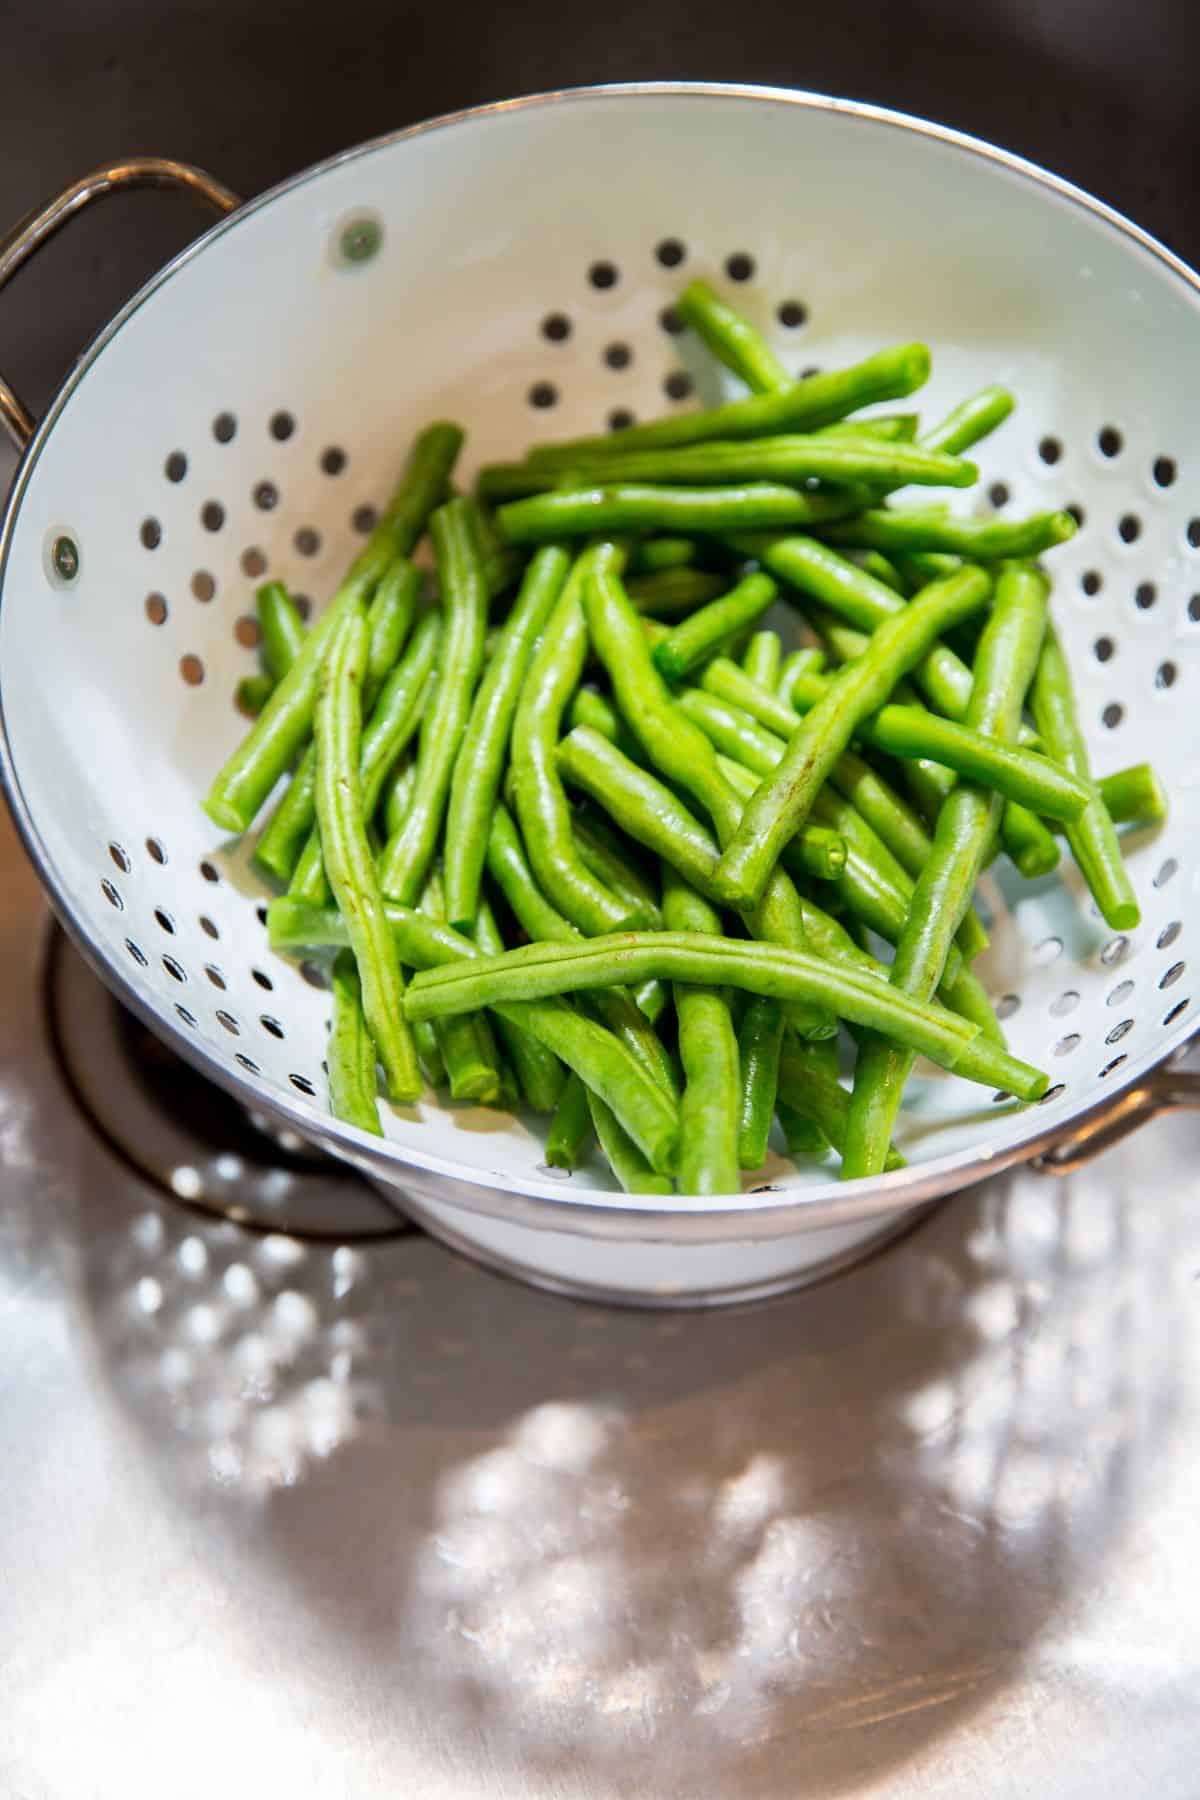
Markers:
point(514, 268)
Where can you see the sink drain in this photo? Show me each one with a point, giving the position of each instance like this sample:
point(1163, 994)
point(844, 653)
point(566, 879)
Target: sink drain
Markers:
point(190, 1138)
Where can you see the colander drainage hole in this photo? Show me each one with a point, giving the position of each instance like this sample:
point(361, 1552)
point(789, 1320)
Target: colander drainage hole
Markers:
point(112, 895)
point(265, 496)
point(1193, 533)
point(175, 970)
point(739, 266)
point(998, 494)
point(1168, 934)
point(151, 534)
point(176, 466)
point(1060, 1087)
point(207, 926)
point(333, 460)
point(1165, 674)
point(260, 913)
point(1164, 471)
point(1109, 441)
point(1065, 1045)
point(1119, 1031)
point(209, 872)
point(1122, 990)
point(603, 275)
point(254, 563)
point(282, 426)
point(138, 954)
point(250, 1067)
point(155, 851)
point(1172, 975)
point(229, 1022)
point(307, 540)
point(1144, 595)
point(303, 1085)
point(1110, 1066)
point(187, 1017)
point(1112, 715)
point(556, 328)
point(204, 585)
point(156, 609)
point(619, 418)
point(363, 519)
point(212, 515)
point(1007, 1005)
point(1180, 1006)
point(1104, 649)
point(191, 669)
point(1193, 609)
point(670, 253)
point(164, 921)
point(543, 394)
point(1077, 513)
point(1050, 450)
point(1129, 528)
point(1048, 951)
point(120, 857)
point(270, 1025)
point(1091, 581)
point(224, 428)
point(1114, 950)
point(618, 356)
point(678, 385)
point(670, 321)
point(246, 632)
point(1064, 1004)
point(1165, 872)
point(215, 976)
point(792, 314)
point(263, 979)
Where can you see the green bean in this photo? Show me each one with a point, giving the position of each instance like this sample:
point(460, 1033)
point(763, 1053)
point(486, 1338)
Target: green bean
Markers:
point(967, 825)
point(732, 339)
point(631, 1168)
point(891, 374)
point(683, 753)
point(429, 1053)
point(640, 506)
point(396, 795)
point(252, 693)
point(911, 529)
point(801, 1133)
point(645, 1106)
point(915, 568)
point(782, 803)
point(653, 555)
point(541, 805)
point(1134, 796)
point(348, 863)
point(509, 869)
point(807, 1087)
point(539, 1073)
point(699, 636)
point(762, 658)
point(285, 723)
point(808, 661)
point(605, 858)
point(281, 627)
point(571, 1126)
point(790, 458)
point(759, 1043)
point(537, 971)
point(976, 418)
point(407, 856)
point(389, 622)
point(1092, 837)
point(479, 765)
point(467, 1047)
point(394, 719)
point(350, 1053)
point(674, 593)
point(708, 1111)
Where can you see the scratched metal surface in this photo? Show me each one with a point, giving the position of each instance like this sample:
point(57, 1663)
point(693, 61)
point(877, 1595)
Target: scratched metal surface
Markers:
point(331, 1521)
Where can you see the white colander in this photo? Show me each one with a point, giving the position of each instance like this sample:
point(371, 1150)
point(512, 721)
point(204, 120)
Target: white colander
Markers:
point(513, 268)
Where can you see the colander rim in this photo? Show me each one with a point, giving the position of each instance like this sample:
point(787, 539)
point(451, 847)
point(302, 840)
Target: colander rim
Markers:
point(783, 1209)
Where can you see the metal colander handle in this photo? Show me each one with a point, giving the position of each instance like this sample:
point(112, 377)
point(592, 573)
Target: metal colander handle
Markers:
point(1167, 1088)
point(36, 229)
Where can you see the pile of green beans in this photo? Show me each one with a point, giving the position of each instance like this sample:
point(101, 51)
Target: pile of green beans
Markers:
point(575, 829)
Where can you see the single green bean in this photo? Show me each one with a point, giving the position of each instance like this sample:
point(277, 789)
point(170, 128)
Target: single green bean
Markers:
point(281, 627)
point(480, 764)
point(389, 622)
point(633, 1170)
point(763, 657)
point(911, 529)
point(629, 506)
point(538, 971)
point(407, 856)
point(976, 418)
point(708, 1111)
point(1134, 796)
point(539, 1072)
point(845, 459)
point(571, 1126)
point(348, 862)
point(682, 752)
point(285, 723)
point(396, 795)
point(429, 1053)
point(732, 339)
point(801, 1127)
point(698, 637)
point(783, 801)
point(645, 1108)
point(1092, 837)
point(541, 805)
point(759, 1043)
point(967, 826)
point(394, 718)
point(891, 374)
point(350, 1052)
point(588, 707)
point(252, 693)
